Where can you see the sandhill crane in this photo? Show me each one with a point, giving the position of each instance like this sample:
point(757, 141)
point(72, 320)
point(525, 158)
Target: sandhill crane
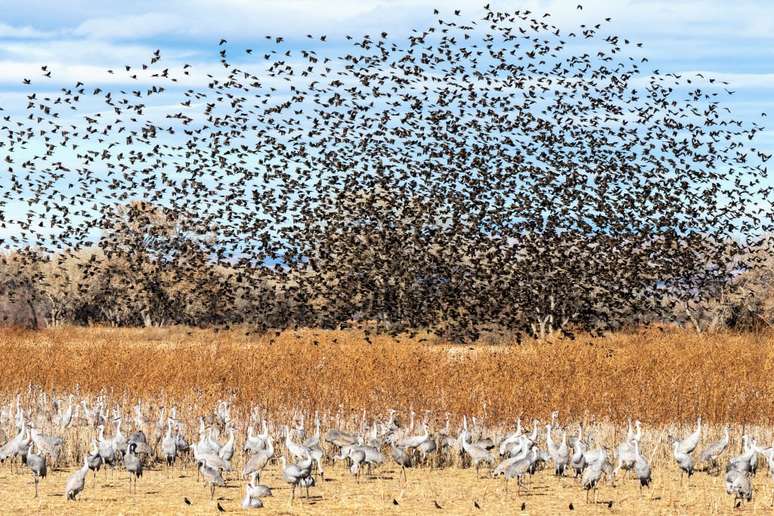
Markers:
point(641, 467)
point(714, 450)
point(169, 446)
point(227, 450)
point(211, 459)
point(298, 475)
point(356, 457)
point(415, 440)
point(518, 469)
point(138, 437)
point(445, 439)
point(314, 439)
point(373, 456)
point(559, 454)
point(139, 418)
point(769, 454)
point(258, 460)
point(590, 479)
point(482, 442)
point(212, 477)
point(254, 492)
point(425, 448)
point(687, 445)
point(684, 461)
point(578, 460)
point(517, 466)
point(738, 484)
point(213, 439)
point(595, 456)
point(106, 450)
point(133, 465)
point(296, 450)
point(94, 459)
point(46, 444)
point(510, 439)
point(255, 443)
point(747, 461)
point(64, 419)
point(16, 447)
point(300, 452)
point(626, 456)
point(77, 481)
point(180, 442)
point(119, 439)
point(572, 439)
point(477, 455)
point(37, 464)
point(401, 458)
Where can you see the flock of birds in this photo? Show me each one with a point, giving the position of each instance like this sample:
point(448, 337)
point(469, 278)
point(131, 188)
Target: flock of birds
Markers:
point(516, 454)
point(474, 172)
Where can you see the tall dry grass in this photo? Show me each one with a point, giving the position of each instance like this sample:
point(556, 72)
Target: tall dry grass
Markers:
point(658, 376)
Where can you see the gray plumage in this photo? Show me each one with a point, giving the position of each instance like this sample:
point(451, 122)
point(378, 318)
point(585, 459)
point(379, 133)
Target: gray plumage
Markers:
point(590, 478)
point(37, 464)
point(77, 481)
point(477, 454)
point(578, 460)
point(258, 460)
point(687, 445)
point(641, 467)
point(714, 450)
point(297, 475)
point(684, 461)
point(212, 477)
point(133, 465)
point(401, 458)
point(739, 485)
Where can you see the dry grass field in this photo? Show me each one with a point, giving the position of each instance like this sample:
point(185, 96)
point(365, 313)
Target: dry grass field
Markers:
point(663, 377)
point(657, 376)
point(454, 489)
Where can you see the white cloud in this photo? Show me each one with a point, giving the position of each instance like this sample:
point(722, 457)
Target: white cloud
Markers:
point(130, 27)
point(26, 32)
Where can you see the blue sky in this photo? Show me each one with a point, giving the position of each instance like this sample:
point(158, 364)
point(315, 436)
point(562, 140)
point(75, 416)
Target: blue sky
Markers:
point(82, 39)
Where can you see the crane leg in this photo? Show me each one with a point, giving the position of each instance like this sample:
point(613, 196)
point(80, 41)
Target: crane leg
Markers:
point(36, 487)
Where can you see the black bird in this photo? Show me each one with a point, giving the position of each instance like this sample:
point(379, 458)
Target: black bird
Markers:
point(379, 188)
point(186, 500)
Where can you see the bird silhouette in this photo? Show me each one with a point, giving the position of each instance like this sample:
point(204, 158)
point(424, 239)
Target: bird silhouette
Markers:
point(466, 178)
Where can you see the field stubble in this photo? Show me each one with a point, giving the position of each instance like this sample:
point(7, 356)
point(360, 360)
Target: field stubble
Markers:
point(660, 377)
point(664, 378)
point(454, 489)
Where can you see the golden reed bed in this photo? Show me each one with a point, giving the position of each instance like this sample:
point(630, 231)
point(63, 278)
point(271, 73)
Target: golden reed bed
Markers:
point(659, 376)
